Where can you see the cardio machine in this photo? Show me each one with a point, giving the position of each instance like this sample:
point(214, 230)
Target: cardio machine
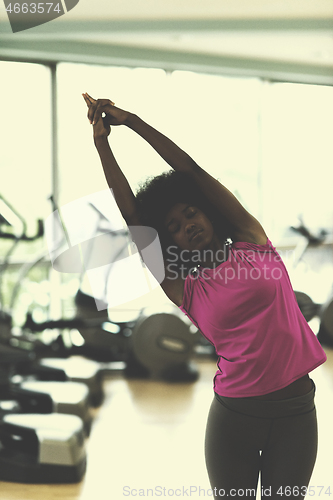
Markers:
point(309, 308)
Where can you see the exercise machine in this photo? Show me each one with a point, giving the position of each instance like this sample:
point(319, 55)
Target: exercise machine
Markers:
point(309, 308)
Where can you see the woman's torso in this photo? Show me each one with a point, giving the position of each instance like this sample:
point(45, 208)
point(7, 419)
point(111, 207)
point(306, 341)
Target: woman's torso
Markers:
point(265, 347)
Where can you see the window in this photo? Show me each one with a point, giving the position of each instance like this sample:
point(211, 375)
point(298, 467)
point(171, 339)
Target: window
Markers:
point(25, 128)
point(213, 118)
point(25, 166)
point(297, 156)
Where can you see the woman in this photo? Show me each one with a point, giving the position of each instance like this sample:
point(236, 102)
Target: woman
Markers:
point(263, 417)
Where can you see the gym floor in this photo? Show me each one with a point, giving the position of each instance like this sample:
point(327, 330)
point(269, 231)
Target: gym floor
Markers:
point(149, 434)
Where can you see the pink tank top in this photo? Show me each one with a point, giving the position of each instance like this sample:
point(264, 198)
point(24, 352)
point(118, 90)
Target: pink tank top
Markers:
point(247, 309)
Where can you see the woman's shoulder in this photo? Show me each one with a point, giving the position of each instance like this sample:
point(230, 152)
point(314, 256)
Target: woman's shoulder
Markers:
point(249, 235)
point(251, 238)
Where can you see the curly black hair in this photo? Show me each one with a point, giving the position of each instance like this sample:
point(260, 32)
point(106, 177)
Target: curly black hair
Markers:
point(157, 195)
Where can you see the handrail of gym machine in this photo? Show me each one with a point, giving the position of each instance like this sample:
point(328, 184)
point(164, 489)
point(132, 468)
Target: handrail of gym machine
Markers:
point(24, 237)
point(62, 323)
point(313, 240)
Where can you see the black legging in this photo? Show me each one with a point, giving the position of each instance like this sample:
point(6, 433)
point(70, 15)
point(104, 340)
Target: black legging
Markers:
point(245, 436)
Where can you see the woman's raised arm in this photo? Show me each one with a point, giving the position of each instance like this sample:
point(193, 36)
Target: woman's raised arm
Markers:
point(245, 226)
point(115, 178)
point(117, 181)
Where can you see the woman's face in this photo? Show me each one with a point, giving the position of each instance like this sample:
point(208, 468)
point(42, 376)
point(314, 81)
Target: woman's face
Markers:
point(189, 227)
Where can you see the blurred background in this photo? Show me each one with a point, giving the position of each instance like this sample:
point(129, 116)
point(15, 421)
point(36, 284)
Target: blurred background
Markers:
point(244, 87)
